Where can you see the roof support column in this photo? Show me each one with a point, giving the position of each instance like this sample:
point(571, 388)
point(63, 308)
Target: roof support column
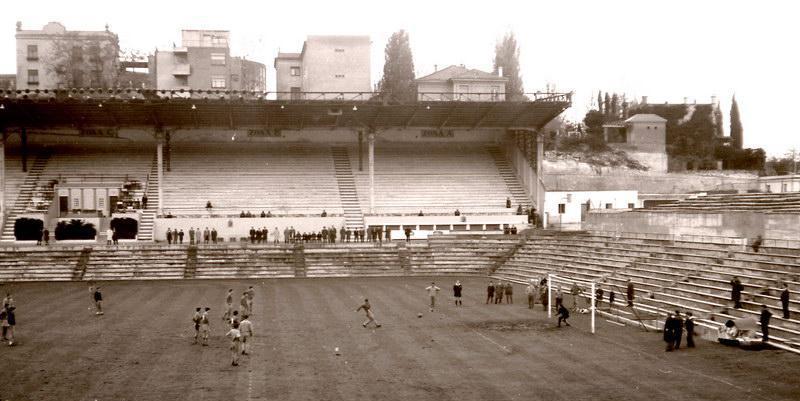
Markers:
point(371, 140)
point(360, 150)
point(159, 134)
point(23, 137)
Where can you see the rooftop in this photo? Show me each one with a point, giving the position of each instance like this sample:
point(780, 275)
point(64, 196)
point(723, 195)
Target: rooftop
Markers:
point(460, 72)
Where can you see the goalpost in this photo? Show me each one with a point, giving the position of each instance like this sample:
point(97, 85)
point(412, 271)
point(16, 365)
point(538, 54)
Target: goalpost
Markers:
point(575, 290)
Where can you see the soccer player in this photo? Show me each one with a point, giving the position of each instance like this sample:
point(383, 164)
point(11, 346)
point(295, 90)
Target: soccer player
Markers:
point(689, 324)
point(509, 293)
point(196, 319)
point(368, 309)
point(234, 318)
point(8, 301)
point(457, 292)
point(563, 314)
point(236, 343)
point(499, 288)
point(244, 304)
point(246, 328)
point(205, 325)
point(98, 301)
point(251, 294)
point(228, 305)
point(530, 291)
point(432, 290)
point(490, 293)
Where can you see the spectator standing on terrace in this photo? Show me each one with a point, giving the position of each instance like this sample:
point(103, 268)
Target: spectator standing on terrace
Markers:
point(191, 235)
point(457, 213)
point(208, 206)
point(520, 212)
point(324, 213)
point(736, 292)
point(286, 236)
point(263, 214)
point(689, 324)
point(530, 291)
point(499, 290)
point(180, 237)
point(631, 292)
point(669, 332)
point(347, 234)
point(332, 235)
point(408, 234)
point(325, 234)
point(276, 236)
point(265, 231)
point(269, 213)
point(98, 301)
point(109, 236)
point(508, 203)
point(169, 236)
point(198, 234)
point(46, 235)
point(342, 234)
point(368, 310)
point(457, 292)
point(115, 237)
point(765, 316)
point(490, 293)
point(214, 235)
point(757, 243)
point(252, 235)
point(144, 201)
point(509, 293)
point(388, 234)
point(420, 214)
point(785, 301)
point(236, 343)
point(206, 236)
point(40, 237)
point(432, 290)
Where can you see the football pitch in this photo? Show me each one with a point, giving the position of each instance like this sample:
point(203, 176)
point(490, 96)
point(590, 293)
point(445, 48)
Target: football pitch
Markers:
point(141, 349)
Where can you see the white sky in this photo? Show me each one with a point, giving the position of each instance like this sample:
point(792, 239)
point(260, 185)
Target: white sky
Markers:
point(666, 50)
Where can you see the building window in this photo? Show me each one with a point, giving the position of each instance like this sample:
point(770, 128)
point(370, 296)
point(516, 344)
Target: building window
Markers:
point(608, 206)
point(784, 188)
point(294, 71)
point(631, 206)
point(339, 75)
point(76, 203)
point(33, 77)
point(339, 50)
point(463, 88)
point(217, 58)
point(217, 81)
point(562, 208)
point(33, 52)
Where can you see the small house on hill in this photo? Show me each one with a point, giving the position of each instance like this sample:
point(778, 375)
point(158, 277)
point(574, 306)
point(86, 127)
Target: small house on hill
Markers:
point(458, 82)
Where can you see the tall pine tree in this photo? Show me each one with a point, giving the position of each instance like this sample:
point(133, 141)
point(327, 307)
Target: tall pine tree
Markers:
point(737, 133)
point(398, 69)
point(607, 105)
point(600, 101)
point(614, 106)
point(506, 55)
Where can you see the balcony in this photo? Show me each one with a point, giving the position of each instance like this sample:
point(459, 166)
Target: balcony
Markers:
point(182, 70)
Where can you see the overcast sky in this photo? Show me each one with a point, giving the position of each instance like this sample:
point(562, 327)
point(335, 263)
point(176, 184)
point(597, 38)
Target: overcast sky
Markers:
point(666, 50)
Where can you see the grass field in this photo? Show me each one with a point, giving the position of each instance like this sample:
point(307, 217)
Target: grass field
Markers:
point(141, 349)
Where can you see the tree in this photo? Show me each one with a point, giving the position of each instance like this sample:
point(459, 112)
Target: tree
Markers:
point(737, 134)
point(506, 56)
point(84, 62)
point(398, 69)
point(607, 105)
point(614, 106)
point(600, 101)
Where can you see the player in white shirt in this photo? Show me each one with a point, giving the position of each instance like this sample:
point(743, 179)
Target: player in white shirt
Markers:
point(246, 328)
point(251, 293)
point(228, 306)
point(205, 325)
point(236, 343)
point(196, 320)
point(432, 290)
point(243, 304)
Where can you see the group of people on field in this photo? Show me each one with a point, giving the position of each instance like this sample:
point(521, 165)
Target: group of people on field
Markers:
point(240, 327)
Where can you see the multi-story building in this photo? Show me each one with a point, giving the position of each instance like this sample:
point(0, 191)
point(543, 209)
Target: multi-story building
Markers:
point(327, 64)
point(54, 57)
point(203, 61)
point(458, 82)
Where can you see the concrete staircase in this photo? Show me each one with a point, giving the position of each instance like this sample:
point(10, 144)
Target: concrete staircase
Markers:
point(148, 215)
point(25, 195)
point(354, 218)
point(518, 194)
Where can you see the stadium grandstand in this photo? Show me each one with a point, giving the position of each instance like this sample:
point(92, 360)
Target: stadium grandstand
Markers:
point(450, 188)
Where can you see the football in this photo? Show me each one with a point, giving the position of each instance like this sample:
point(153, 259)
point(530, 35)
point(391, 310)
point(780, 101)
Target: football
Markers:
point(419, 315)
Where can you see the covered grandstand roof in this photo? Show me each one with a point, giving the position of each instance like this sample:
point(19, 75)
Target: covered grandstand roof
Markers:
point(235, 110)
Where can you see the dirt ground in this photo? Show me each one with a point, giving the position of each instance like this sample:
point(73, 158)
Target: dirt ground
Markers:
point(141, 349)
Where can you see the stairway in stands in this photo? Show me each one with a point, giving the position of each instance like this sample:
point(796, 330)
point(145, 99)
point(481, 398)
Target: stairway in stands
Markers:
point(354, 218)
point(518, 195)
point(148, 215)
point(25, 195)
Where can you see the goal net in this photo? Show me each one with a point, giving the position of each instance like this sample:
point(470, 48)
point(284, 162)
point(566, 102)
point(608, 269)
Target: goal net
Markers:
point(576, 295)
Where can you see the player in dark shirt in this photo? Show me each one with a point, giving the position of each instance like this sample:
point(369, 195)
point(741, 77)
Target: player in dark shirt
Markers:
point(98, 301)
point(457, 292)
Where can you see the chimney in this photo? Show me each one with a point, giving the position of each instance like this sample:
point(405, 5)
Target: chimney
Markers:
point(435, 67)
point(644, 99)
point(499, 71)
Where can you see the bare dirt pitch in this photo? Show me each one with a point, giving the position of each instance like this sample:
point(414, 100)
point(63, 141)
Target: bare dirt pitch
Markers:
point(141, 349)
